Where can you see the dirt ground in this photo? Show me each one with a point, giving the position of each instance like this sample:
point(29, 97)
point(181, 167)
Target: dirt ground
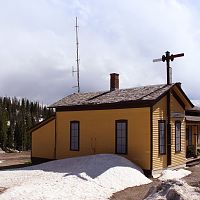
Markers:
point(194, 178)
point(139, 192)
point(134, 193)
point(13, 159)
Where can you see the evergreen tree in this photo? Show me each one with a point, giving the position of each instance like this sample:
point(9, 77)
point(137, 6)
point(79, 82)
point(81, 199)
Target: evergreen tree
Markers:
point(3, 128)
point(16, 118)
point(10, 138)
point(18, 137)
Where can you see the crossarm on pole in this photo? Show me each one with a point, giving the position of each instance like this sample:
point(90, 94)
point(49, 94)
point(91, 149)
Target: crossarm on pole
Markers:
point(178, 55)
point(157, 60)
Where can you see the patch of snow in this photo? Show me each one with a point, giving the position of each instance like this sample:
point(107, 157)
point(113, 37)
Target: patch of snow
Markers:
point(87, 177)
point(10, 150)
point(173, 189)
point(157, 175)
point(1, 161)
point(1, 151)
point(174, 174)
point(41, 119)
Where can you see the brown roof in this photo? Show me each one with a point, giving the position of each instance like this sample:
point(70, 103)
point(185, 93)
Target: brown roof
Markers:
point(137, 94)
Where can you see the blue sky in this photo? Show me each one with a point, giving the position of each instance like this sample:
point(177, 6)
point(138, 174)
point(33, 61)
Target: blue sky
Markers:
point(37, 45)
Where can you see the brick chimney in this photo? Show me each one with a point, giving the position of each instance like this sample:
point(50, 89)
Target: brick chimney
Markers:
point(114, 81)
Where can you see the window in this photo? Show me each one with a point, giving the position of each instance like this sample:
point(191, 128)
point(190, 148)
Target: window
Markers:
point(198, 139)
point(189, 135)
point(121, 136)
point(74, 135)
point(162, 136)
point(177, 136)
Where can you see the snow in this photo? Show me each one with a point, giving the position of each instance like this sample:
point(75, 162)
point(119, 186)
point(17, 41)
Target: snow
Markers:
point(1, 161)
point(8, 123)
point(174, 189)
point(87, 177)
point(41, 119)
point(10, 150)
point(1, 151)
point(174, 174)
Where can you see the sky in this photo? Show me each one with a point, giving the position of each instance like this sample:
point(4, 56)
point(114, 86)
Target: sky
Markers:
point(38, 47)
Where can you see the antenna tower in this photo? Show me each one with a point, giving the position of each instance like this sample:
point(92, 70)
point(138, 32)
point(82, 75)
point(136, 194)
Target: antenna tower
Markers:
point(77, 59)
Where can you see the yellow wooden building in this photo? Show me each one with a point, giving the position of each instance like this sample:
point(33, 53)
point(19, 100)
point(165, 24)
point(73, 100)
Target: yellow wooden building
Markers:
point(192, 132)
point(145, 124)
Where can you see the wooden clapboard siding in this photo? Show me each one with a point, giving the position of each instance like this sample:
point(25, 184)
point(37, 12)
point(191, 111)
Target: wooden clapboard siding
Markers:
point(178, 158)
point(159, 113)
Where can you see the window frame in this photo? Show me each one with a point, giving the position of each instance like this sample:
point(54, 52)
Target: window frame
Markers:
point(198, 135)
point(159, 135)
point(177, 150)
point(78, 145)
point(188, 134)
point(126, 135)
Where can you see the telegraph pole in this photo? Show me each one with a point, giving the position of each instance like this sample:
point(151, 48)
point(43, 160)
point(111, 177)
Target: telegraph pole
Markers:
point(167, 58)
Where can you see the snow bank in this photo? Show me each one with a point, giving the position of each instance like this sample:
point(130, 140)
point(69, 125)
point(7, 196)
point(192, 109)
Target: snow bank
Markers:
point(173, 189)
point(88, 177)
point(174, 174)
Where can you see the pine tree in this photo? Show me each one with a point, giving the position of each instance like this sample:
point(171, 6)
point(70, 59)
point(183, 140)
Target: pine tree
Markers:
point(10, 138)
point(18, 137)
point(16, 118)
point(3, 128)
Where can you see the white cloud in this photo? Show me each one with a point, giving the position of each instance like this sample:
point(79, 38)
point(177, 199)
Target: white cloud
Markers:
point(37, 40)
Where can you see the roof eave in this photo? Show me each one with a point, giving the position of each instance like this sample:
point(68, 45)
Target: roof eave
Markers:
point(42, 123)
point(106, 106)
point(183, 93)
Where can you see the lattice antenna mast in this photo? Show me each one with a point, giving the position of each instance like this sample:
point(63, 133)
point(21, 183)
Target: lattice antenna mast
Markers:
point(167, 58)
point(77, 71)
